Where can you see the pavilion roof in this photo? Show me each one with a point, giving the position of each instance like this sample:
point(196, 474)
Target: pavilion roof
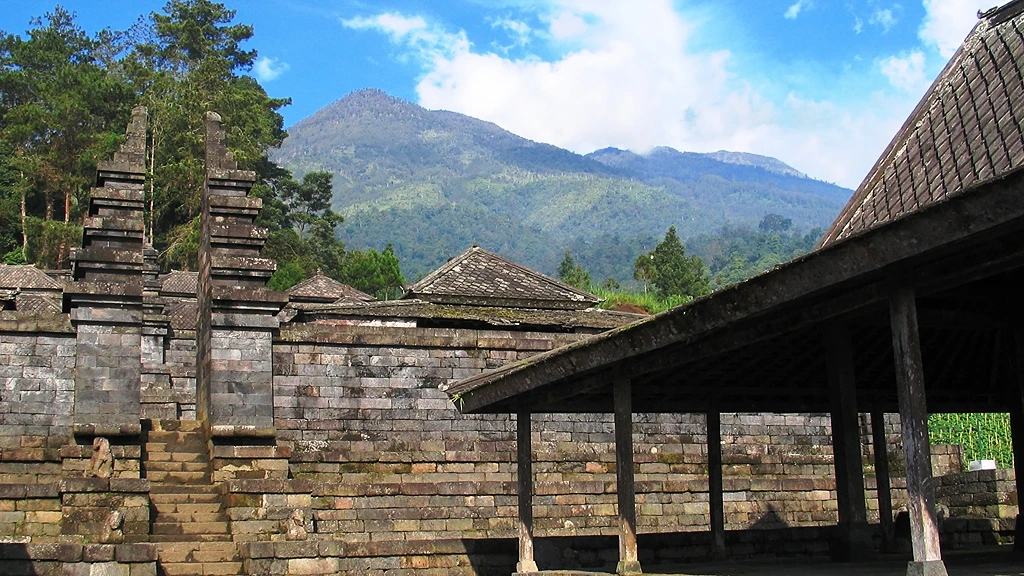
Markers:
point(479, 278)
point(968, 129)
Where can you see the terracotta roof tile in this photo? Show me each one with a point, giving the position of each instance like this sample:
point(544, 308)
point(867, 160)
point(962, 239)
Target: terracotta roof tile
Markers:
point(968, 129)
point(26, 276)
point(38, 303)
point(183, 315)
point(479, 278)
point(326, 289)
point(180, 282)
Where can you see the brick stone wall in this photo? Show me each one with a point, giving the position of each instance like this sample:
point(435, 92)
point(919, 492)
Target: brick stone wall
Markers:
point(38, 386)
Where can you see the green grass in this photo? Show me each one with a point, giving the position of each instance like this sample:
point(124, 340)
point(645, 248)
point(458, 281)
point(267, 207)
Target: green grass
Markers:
point(983, 436)
point(647, 300)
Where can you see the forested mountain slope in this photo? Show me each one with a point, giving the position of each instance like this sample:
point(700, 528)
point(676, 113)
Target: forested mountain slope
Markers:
point(432, 183)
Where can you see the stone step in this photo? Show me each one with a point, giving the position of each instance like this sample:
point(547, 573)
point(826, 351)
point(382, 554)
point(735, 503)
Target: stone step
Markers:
point(196, 528)
point(186, 517)
point(191, 444)
point(202, 568)
point(188, 507)
point(171, 492)
point(178, 477)
point(177, 538)
point(170, 466)
point(177, 552)
point(176, 426)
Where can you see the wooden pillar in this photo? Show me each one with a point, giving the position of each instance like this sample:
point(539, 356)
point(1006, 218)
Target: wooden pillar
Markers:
point(1017, 427)
point(524, 474)
point(629, 562)
point(882, 484)
point(852, 538)
point(716, 501)
point(924, 529)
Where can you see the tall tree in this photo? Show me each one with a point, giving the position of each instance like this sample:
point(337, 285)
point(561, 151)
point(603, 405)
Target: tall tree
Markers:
point(184, 61)
point(671, 271)
point(572, 273)
point(59, 104)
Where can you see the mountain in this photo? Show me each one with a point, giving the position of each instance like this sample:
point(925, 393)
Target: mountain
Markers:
point(433, 182)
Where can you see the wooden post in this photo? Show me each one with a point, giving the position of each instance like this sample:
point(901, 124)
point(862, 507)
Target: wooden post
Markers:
point(852, 539)
point(1017, 426)
point(716, 502)
point(924, 529)
point(524, 474)
point(629, 562)
point(882, 484)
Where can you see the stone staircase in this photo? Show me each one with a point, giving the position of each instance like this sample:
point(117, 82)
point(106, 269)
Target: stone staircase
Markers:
point(189, 526)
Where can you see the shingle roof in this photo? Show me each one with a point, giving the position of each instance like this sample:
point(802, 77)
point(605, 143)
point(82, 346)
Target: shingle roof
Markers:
point(26, 276)
point(592, 318)
point(180, 282)
point(968, 129)
point(326, 289)
point(477, 277)
point(183, 315)
point(38, 303)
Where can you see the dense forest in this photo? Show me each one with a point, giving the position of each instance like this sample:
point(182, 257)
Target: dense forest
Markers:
point(66, 96)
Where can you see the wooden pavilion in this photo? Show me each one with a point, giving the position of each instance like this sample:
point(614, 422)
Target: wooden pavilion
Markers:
point(911, 304)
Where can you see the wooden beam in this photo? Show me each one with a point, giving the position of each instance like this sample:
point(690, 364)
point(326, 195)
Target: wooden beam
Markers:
point(524, 475)
point(852, 539)
point(716, 499)
point(882, 484)
point(924, 528)
point(629, 562)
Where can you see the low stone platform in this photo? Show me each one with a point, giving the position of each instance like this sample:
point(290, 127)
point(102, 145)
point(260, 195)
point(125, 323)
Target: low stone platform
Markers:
point(993, 561)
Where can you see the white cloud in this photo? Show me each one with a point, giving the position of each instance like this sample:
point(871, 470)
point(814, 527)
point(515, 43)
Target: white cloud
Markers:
point(520, 32)
point(796, 8)
point(907, 72)
point(947, 23)
point(883, 18)
point(858, 25)
point(628, 76)
point(428, 41)
point(267, 69)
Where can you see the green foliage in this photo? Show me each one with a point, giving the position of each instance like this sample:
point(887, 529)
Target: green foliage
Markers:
point(671, 271)
point(50, 242)
point(58, 102)
point(649, 301)
point(983, 436)
point(736, 253)
point(572, 273)
point(287, 275)
point(376, 273)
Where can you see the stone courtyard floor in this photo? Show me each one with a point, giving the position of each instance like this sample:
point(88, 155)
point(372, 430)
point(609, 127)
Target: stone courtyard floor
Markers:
point(987, 562)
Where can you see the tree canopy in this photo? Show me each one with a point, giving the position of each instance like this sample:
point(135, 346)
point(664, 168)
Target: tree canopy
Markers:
point(66, 96)
point(671, 271)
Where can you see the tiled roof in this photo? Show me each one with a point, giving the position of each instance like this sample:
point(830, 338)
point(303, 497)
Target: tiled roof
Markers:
point(180, 282)
point(183, 315)
point(325, 289)
point(968, 129)
point(538, 319)
point(477, 277)
point(38, 303)
point(26, 277)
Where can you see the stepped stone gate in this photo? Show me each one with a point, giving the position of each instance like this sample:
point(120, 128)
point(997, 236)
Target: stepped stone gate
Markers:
point(195, 422)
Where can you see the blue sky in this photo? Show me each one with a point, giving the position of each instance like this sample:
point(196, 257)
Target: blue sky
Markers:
point(820, 84)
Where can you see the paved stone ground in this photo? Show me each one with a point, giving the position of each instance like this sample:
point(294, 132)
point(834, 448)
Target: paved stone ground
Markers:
point(990, 562)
